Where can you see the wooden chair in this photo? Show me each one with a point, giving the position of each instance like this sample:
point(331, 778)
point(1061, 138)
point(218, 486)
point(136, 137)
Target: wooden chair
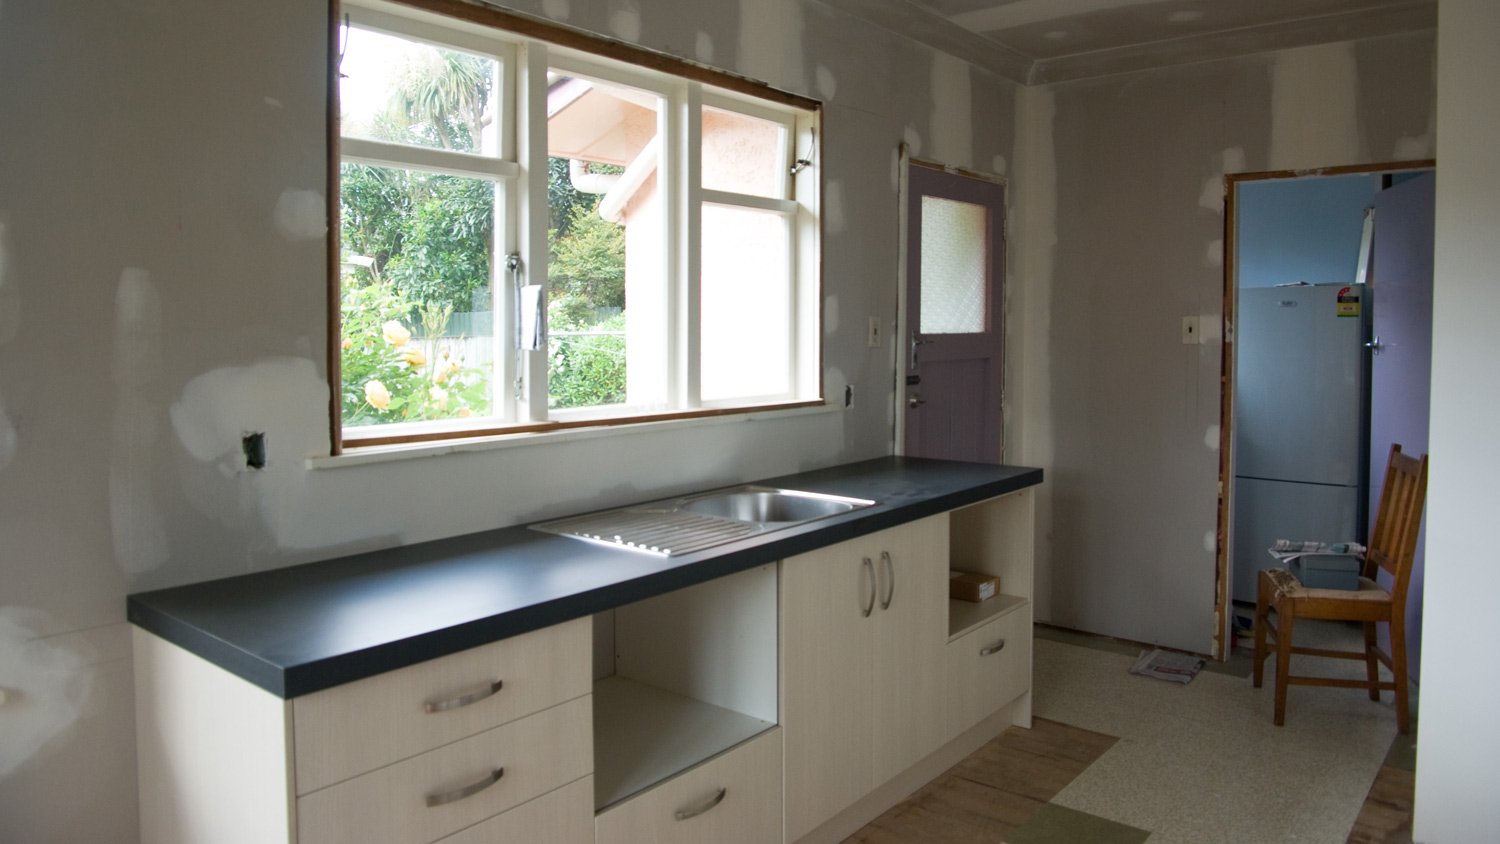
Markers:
point(1393, 544)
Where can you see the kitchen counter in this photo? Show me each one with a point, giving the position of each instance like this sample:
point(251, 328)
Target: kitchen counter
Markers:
point(305, 628)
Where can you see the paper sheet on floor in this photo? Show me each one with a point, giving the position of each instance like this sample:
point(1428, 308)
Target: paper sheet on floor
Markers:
point(1167, 665)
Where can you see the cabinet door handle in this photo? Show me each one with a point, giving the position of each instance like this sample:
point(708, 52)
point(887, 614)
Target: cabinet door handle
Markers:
point(890, 572)
point(695, 811)
point(460, 700)
point(993, 649)
point(870, 605)
point(469, 790)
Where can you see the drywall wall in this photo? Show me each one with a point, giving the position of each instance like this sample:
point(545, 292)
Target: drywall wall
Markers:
point(1122, 239)
point(1457, 765)
point(162, 293)
point(1293, 230)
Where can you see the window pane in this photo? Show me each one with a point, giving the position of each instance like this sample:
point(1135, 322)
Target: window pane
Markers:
point(745, 304)
point(743, 154)
point(400, 91)
point(954, 262)
point(605, 238)
point(416, 322)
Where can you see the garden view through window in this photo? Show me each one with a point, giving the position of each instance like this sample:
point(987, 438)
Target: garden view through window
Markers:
point(676, 277)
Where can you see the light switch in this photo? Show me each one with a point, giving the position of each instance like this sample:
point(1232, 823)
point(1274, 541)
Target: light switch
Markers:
point(1190, 331)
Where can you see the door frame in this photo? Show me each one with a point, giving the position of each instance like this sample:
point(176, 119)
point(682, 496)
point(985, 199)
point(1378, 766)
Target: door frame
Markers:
point(900, 360)
point(1222, 634)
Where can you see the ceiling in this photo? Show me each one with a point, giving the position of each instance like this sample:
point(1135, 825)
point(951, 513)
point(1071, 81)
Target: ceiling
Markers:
point(1041, 41)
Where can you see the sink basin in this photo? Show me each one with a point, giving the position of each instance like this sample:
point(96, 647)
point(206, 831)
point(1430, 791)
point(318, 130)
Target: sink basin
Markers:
point(766, 506)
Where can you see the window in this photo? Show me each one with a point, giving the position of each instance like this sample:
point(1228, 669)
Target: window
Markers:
point(533, 235)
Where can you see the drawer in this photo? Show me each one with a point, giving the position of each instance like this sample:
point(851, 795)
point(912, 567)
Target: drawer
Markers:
point(564, 816)
point(357, 727)
point(533, 756)
point(988, 668)
point(733, 798)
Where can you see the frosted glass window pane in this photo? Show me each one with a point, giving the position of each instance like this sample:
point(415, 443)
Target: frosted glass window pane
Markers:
point(743, 154)
point(953, 266)
point(746, 300)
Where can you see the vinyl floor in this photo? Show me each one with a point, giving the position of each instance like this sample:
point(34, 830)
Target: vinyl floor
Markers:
point(1116, 758)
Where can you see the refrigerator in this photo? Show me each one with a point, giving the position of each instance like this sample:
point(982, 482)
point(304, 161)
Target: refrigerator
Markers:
point(1301, 413)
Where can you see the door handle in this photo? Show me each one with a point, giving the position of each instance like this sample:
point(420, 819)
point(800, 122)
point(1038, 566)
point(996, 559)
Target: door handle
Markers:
point(1375, 346)
point(915, 401)
point(869, 606)
point(890, 571)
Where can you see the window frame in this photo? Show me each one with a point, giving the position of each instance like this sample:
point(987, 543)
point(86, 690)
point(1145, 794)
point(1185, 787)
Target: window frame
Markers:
point(527, 49)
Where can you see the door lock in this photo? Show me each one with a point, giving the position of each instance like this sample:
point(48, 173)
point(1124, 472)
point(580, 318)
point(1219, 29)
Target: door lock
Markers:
point(915, 401)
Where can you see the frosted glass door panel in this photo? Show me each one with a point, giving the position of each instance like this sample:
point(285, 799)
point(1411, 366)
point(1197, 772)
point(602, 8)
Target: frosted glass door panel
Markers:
point(954, 266)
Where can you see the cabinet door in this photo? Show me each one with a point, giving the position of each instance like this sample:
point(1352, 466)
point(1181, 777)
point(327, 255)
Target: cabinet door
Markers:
point(912, 616)
point(828, 626)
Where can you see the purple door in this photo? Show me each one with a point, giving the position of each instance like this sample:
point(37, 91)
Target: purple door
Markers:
point(1401, 360)
point(952, 348)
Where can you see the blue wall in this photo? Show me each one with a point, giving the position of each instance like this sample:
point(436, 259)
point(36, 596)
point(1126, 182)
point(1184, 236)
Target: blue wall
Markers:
point(1308, 230)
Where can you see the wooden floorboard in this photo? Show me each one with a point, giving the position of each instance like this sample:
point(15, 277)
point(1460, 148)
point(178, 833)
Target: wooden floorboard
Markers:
point(1386, 815)
point(994, 790)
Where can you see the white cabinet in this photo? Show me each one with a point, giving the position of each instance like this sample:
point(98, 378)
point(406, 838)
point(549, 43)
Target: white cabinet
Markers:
point(411, 756)
point(734, 797)
point(863, 631)
point(987, 668)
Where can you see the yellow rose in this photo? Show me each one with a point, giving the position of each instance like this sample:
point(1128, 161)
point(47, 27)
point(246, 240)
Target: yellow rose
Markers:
point(377, 395)
point(465, 413)
point(439, 375)
point(439, 397)
point(396, 333)
point(414, 356)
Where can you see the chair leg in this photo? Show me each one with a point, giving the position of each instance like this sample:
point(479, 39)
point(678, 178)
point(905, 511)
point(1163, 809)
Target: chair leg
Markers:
point(1284, 616)
point(1398, 668)
point(1262, 618)
point(1372, 664)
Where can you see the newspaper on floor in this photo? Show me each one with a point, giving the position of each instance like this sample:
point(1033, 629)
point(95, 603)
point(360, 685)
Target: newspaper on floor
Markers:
point(1171, 666)
point(1286, 550)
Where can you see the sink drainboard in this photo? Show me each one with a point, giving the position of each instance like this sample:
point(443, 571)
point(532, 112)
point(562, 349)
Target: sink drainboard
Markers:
point(667, 533)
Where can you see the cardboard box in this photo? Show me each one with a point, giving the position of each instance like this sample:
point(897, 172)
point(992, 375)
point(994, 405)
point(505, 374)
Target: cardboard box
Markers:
point(970, 586)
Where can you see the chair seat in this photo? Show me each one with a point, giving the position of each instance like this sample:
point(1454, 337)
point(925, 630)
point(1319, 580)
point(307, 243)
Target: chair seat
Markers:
point(1284, 584)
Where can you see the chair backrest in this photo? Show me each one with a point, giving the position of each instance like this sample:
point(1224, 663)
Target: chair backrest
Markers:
point(1393, 541)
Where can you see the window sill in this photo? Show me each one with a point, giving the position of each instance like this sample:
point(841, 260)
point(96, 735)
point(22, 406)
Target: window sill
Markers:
point(412, 451)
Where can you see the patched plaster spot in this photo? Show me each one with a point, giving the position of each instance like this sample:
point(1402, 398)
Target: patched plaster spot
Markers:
point(273, 102)
point(834, 221)
point(1210, 541)
point(703, 47)
point(913, 140)
point(830, 315)
point(555, 9)
point(1232, 160)
point(8, 438)
point(998, 165)
point(1211, 437)
point(952, 120)
point(301, 215)
point(626, 23)
point(136, 524)
point(1412, 149)
point(826, 85)
point(47, 686)
point(1213, 255)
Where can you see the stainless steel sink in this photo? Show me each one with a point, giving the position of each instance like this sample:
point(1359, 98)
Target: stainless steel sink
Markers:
point(694, 522)
point(767, 506)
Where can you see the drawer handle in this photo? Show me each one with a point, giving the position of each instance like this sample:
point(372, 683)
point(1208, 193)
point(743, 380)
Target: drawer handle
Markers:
point(457, 701)
point(469, 790)
point(695, 811)
point(890, 572)
point(869, 607)
point(993, 649)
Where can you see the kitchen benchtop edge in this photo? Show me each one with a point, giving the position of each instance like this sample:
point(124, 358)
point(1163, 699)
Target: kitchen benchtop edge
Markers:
point(300, 629)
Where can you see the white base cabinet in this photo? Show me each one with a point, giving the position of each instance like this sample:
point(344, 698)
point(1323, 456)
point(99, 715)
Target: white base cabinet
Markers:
point(749, 709)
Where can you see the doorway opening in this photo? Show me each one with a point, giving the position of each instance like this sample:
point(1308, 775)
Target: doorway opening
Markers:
point(1303, 264)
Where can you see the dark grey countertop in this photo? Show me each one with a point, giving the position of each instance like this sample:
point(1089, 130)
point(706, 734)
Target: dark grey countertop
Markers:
point(300, 629)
